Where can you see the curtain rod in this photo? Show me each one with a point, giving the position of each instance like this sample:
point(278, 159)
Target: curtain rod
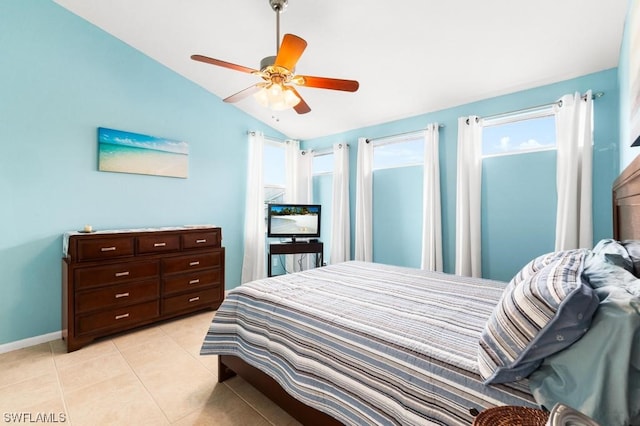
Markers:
point(253, 133)
point(440, 126)
point(324, 151)
point(558, 102)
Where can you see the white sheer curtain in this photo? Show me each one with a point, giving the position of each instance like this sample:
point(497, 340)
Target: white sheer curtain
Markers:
point(253, 262)
point(468, 187)
point(574, 140)
point(298, 167)
point(340, 215)
point(364, 202)
point(431, 213)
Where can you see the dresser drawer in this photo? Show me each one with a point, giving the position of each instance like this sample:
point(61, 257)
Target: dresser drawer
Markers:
point(100, 275)
point(209, 238)
point(191, 301)
point(104, 248)
point(117, 317)
point(117, 295)
point(192, 262)
point(193, 280)
point(157, 243)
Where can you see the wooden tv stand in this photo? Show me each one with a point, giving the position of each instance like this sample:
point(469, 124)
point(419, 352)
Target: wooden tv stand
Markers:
point(117, 280)
point(296, 248)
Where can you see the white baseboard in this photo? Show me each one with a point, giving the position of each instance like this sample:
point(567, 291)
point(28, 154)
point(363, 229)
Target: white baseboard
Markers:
point(31, 341)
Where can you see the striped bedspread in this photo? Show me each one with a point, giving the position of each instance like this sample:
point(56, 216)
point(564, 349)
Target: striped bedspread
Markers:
point(368, 343)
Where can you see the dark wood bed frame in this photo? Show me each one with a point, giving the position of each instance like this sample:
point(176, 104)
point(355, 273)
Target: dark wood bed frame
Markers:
point(626, 203)
point(626, 226)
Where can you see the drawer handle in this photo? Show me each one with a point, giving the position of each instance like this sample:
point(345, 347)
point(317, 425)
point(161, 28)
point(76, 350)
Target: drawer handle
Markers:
point(122, 274)
point(194, 299)
point(196, 263)
point(201, 241)
point(122, 316)
point(196, 281)
point(107, 249)
point(159, 244)
point(119, 295)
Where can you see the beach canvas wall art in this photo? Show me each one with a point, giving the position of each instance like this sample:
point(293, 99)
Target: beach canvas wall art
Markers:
point(126, 152)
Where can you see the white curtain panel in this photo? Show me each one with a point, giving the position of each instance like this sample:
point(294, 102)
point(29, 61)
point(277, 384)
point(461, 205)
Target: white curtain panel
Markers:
point(468, 187)
point(574, 140)
point(364, 202)
point(340, 214)
point(297, 165)
point(304, 192)
point(253, 262)
point(431, 213)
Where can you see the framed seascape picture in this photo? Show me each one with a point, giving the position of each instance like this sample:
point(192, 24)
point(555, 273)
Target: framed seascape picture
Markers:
point(126, 152)
point(634, 71)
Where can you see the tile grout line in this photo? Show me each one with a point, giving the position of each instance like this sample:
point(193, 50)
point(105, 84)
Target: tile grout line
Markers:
point(155, 402)
point(248, 403)
point(196, 359)
point(60, 388)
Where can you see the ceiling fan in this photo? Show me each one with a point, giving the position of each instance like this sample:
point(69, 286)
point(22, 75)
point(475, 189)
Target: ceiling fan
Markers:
point(277, 89)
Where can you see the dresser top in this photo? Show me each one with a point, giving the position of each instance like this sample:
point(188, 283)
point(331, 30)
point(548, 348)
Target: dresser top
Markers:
point(68, 234)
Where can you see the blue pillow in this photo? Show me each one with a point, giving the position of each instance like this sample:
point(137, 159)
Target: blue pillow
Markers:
point(633, 248)
point(609, 264)
point(613, 252)
point(544, 309)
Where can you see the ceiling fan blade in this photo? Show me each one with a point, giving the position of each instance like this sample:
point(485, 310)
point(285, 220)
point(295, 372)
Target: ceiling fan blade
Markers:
point(301, 107)
point(224, 64)
point(290, 51)
point(243, 93)
point(327, 83)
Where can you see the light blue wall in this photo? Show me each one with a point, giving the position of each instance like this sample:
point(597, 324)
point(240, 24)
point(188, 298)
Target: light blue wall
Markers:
point(60, 79)
point(627, 152)
point(506, 183)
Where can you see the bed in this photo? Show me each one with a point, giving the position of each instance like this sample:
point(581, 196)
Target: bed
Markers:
point(433, 352)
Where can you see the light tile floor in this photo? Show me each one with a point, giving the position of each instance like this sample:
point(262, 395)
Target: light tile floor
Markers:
point(151, 376)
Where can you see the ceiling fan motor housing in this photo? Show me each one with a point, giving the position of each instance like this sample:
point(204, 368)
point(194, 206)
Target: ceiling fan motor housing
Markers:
point(267, 62)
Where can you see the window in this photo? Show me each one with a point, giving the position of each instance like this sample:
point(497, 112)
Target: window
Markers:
point(322, 163)
point(273, 171)
point(402, 152)
point(397, 198)
point(515, 134)
point(516, 187)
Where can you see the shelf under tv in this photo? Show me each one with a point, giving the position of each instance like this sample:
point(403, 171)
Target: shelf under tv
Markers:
point(295, 247)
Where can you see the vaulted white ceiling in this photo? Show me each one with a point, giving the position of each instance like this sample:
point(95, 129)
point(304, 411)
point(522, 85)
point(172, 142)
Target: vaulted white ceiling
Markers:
point(410, 56)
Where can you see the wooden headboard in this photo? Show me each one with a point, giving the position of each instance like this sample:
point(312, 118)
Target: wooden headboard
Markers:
point(626, 203)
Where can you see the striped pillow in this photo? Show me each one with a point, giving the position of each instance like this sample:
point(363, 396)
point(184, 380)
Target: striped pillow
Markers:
point(544, 309)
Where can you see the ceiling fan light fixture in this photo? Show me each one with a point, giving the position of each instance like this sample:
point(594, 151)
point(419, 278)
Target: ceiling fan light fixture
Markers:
point(277, 97)
point(290, 97)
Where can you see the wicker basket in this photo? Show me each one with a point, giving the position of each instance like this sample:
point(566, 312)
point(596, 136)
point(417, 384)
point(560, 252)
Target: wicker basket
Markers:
point(511, 415)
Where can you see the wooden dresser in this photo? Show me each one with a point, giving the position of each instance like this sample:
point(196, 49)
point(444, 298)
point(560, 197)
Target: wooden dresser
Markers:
point(117, 280)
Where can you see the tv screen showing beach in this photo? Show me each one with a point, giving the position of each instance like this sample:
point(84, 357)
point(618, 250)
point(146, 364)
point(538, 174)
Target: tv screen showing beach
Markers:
point(126, 152)
point(294, 220)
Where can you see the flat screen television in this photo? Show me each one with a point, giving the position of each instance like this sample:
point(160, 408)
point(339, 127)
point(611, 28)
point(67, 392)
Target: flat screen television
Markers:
point(293, 221)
